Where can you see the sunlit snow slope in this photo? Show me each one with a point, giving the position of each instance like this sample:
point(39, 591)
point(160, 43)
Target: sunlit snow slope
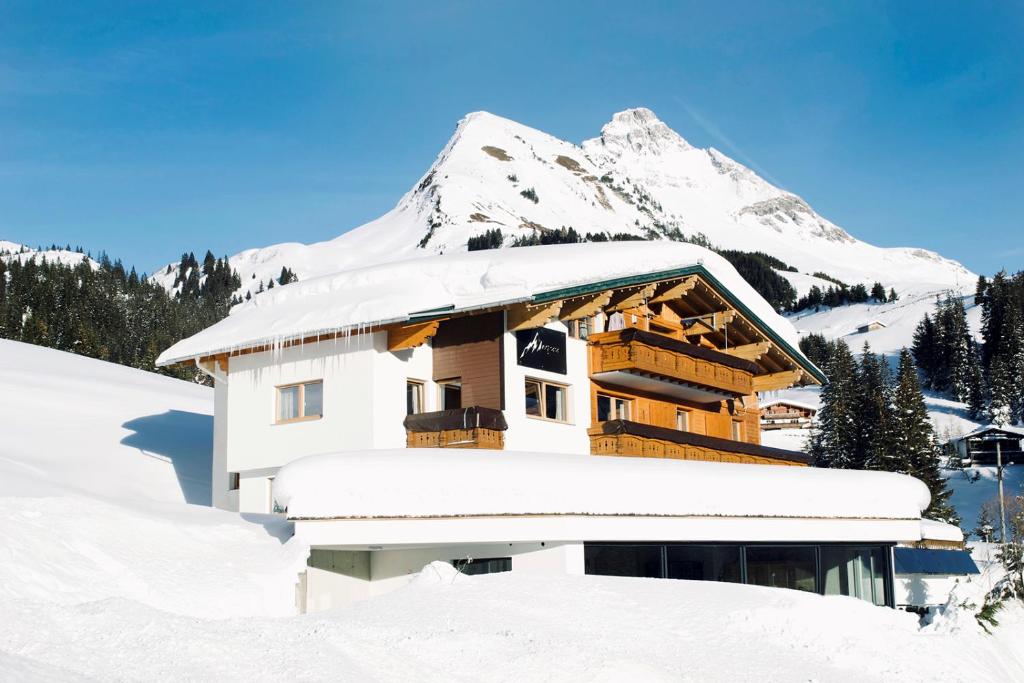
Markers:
point(97, 463)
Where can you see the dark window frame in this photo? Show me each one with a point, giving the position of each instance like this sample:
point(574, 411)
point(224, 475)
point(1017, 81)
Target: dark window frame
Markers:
point(819, 579)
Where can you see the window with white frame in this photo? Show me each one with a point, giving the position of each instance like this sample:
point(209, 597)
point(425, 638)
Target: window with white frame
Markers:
point(682, 420)
point(737, 430)
point(300, 401)
point(613, 408)
point(449, 393)
point(413, 397)
point(547, 400)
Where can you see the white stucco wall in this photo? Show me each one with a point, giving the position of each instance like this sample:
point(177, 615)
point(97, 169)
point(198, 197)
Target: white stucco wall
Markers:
point(363, 407)
point(527, 433)
point(391, 569)
point(221, 496)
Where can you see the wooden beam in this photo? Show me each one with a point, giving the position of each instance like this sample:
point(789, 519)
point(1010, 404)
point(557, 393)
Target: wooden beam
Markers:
point(668, 291)
point(709, 322)
point(777, 380)
point(748, 351)
point(623, 299)
point(526, 316)
point(411, 336)
point(584, 306)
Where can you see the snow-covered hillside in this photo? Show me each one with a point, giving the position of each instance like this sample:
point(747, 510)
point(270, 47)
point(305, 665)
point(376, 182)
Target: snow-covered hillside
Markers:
point(108, 573)
point(637, 177)
point(12, 251)
point(98, 463)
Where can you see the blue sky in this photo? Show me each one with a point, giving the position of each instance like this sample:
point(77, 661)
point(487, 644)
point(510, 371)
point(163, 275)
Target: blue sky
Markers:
point(150, 129)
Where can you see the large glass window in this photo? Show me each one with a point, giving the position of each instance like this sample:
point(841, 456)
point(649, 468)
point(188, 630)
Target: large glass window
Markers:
point(704, 562)
point(853, 571)
point(547, 400)
point(612, 408)
point(304, 401)
point(782, 566)
point(623, 560)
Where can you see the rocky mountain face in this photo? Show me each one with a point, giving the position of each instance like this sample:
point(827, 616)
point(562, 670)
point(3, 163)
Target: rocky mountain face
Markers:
point(638, 177)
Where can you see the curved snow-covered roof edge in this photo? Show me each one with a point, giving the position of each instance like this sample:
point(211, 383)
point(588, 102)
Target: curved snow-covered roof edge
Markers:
point(940, 531)
point(433, 286)
point(421, 483)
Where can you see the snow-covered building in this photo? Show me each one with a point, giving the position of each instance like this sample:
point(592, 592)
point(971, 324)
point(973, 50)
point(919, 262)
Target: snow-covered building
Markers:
point(871, 327)
point(978, 447)
point(458, 400)
point(783, 413)
point(654, 349)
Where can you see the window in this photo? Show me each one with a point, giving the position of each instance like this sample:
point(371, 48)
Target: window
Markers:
point(704, 562)
point(737, 430)
point(782, 566)
point(612, 408)
point(303, 401)
point(546, 400)
point(623, 560)
point(579, 329)
point(490, 565)
point(413, 397)
point(449, 393)
point(853, 571)
point(682, 420)
point(233, 481)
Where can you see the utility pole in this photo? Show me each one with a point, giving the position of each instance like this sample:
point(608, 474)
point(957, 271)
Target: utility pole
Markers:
point(1002, 503)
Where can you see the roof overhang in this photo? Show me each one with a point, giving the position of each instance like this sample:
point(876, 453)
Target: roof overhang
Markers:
point(416, 531)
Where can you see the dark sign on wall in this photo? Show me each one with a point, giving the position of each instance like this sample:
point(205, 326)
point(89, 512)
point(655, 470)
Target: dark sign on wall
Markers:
point(542, 349)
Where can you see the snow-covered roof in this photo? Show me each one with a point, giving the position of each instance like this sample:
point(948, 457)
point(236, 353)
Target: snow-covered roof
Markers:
point(1009, 429)
point(940, 531)
point(421, 483)
point(788, 402)
point(451, 283)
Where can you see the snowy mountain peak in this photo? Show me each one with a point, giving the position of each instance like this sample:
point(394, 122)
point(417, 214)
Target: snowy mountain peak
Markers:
point(640, 131)
point(639, 177)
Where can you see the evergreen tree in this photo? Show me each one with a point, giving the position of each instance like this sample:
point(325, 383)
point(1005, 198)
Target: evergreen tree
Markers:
point(979, 290)
point(892, 295)
point(878, 292)
point(925, 349)
point(873, 449)
point(914, 440)
point(834, 442)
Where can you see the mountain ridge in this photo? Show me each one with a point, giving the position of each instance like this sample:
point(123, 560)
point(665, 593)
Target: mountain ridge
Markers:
point(637, 177)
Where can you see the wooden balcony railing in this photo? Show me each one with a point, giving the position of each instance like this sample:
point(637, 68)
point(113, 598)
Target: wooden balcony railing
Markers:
point(633, 358)
point(472, 427)
point(622, 437)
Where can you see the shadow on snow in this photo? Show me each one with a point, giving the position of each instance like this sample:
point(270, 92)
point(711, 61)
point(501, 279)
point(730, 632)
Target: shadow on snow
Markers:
point(185, 440)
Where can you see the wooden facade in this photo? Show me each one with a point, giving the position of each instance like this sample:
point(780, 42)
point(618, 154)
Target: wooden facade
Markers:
point(630, 350)
point(783, 415)
point(685, 362)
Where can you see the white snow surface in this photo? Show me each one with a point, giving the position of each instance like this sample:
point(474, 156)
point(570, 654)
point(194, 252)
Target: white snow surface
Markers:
point(392, 292)
point(97, 463)
point(940, 531)
point(638, 177)
point(113, 576)
point(12, 251)
point(418, 483)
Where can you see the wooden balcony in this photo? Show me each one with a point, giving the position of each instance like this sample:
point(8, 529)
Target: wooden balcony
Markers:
point(472, 427)
point(647, 361)
point(622, 437)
